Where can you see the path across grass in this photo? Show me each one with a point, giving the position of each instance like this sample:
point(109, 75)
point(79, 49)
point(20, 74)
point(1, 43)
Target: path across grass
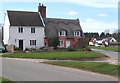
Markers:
point(99, 67)
point(107, 48)
point(57, 55)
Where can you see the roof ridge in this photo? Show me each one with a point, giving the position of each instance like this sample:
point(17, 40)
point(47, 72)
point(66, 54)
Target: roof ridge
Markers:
point(21, 11)
point(61, 19)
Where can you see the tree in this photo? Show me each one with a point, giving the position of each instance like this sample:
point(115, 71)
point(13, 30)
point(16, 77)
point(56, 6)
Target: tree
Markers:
point(53, 41)
point(108, 35)
point(83, 42)
point(96, 35)
point(91, 35)
point(102, 35)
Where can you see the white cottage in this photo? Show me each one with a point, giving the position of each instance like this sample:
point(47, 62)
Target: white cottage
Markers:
point(23, 29)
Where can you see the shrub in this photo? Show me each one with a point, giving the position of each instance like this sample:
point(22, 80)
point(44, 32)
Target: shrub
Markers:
point(83, 42)
point(17, 49)
point(70, 48)
point(41, 48)
point(53, 41)
point(27, 49)
point(85, 49)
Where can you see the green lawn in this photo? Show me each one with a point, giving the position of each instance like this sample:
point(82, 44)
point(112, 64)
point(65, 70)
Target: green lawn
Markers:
point(57, 55)
point(4, 80)
point(107, 48)
point(99, 67)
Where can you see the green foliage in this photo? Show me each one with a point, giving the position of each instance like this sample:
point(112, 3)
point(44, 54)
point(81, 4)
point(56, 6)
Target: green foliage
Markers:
point(99, 67)
point(91, 35)
point(27, 49)
point(83, 42)
point(17, 49)
point(53, 41)
point(57, 55)
point(102, 35)
point(108, 35)
point(70, 48)
point(85, 49)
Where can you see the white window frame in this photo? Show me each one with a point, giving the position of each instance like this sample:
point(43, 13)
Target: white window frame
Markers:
point(60, 43)
point(77, 33)
point(32, 30)
point(20, 29)
point(33, 42)
point(62, 33)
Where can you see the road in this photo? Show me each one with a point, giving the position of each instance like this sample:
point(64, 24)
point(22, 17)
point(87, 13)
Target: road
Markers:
point(17, 70)
point(111, 54)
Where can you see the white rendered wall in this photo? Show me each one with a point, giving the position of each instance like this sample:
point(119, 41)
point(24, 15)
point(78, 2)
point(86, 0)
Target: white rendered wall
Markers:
point(6, 30)
point(26, 36)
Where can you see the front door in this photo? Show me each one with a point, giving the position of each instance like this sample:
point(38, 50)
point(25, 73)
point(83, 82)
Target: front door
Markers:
point(21, 44)
point(67, 44)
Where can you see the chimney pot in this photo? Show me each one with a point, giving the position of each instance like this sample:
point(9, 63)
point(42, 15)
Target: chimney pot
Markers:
point(42, 10)
point(39, 4)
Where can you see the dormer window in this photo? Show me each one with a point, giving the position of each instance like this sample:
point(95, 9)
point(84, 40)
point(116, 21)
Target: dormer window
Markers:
point(77, 33)
point(62, 33)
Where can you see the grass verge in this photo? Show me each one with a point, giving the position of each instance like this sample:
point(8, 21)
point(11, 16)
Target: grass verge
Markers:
point(107, 48)
point(4, 80)
point(99, 67)
point(57, 55)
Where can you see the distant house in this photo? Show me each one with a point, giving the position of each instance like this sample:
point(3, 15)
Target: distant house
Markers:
point(25, 29)
point(95, 42)
point(92, 42)
point(109, 40)
point(102, 41)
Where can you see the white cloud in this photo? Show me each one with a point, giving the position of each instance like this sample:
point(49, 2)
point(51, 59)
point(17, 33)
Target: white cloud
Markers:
point(102, 15)
point(98, 26)
point(100, 3)
point(72, 13)
point(90, 20)
point(90, 3)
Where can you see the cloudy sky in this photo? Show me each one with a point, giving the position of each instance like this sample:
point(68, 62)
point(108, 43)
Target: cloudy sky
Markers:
point(94, 15)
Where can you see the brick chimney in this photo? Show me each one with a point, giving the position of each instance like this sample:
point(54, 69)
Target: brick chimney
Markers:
point(42, 10)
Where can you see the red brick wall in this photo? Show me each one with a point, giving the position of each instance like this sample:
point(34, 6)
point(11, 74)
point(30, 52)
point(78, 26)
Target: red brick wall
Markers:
point(73, 41)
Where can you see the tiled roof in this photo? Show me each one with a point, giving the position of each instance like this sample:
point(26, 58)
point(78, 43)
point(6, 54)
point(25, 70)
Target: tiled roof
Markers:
point(23, 18)
point(53, 25)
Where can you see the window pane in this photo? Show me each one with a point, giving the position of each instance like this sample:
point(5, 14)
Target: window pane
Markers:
point(21, 30)
point(32, 30)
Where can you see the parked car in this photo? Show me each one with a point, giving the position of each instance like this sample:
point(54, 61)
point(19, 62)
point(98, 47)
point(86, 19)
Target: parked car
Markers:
point(2, 49)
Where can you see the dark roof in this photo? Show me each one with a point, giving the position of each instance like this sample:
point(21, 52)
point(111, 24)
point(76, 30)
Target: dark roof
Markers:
point(99, 38)
point(23, 18)
point(53, 25)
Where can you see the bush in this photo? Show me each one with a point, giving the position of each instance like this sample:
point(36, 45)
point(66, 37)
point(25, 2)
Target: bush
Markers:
point(83, 42)
point(41, 48)
point(70, 48)
point(27, 49)
point(85, 49)
point(53, 41)
point(17, 49)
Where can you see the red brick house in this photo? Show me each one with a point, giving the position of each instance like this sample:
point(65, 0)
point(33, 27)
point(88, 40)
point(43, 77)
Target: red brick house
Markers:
point(69, 31)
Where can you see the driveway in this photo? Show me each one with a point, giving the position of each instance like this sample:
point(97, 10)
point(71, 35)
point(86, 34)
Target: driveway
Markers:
point(113, 55)
point(17, 70)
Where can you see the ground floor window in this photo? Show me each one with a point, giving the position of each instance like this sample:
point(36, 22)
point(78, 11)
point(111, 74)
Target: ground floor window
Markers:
point(61, 43)
point(32, 42)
